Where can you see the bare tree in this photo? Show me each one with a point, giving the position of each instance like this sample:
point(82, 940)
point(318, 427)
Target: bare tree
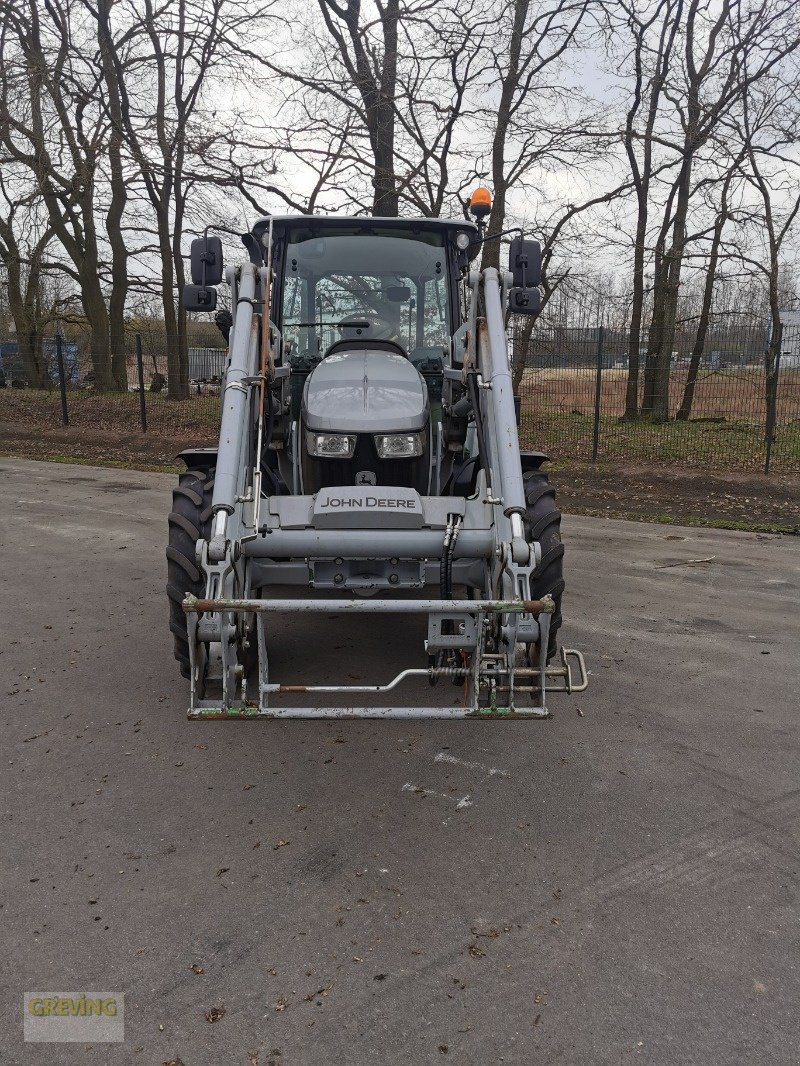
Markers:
point(531, 128)
point(24, 240)
point(726, 50)
point(53, 121)
point(373, 104)
point(368, 50)
point(723, 216)
point(769, 127)
point(652, 43)
point(157, 62)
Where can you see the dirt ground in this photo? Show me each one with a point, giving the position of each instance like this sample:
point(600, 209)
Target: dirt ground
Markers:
point(664, 493)
point(677, 495)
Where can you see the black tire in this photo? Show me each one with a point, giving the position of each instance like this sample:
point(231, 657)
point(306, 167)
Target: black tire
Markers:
point(189, 520)
point(543, 523)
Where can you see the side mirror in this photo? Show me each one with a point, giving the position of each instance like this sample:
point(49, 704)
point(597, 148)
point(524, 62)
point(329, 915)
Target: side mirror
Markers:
point(525, 263)
point(199, 298)
point(524, 301)
point(206, 257)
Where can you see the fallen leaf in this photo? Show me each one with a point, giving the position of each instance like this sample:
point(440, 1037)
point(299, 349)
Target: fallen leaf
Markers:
point(215, 1014)
point(281, 844)
point(197, 968)
point(320, 992)
point(476, 952)
point(173, 1062)
point(281, 1005)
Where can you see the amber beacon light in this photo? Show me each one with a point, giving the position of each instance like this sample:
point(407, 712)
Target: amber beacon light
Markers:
point(480, 203)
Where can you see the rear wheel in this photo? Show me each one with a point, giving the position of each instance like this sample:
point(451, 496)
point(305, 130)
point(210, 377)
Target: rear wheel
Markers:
point(189, 521)
point(543, 523)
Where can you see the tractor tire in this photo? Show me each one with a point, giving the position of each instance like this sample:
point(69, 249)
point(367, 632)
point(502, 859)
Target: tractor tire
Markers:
point(543, 523)
point(189, 521)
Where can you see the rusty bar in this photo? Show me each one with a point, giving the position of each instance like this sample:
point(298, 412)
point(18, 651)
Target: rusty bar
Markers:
point(192, 604)
point(251, 714)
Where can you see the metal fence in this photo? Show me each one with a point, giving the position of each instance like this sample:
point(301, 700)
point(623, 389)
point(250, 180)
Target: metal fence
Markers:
point(573, 382)
point(572, 385)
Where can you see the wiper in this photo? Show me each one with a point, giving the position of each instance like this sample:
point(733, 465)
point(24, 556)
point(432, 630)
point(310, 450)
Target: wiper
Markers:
point(321, 322)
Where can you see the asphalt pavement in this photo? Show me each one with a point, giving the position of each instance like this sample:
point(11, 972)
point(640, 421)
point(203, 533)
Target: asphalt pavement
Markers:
point(617, 884)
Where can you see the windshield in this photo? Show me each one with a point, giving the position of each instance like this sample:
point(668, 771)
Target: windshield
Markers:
point(378, 283)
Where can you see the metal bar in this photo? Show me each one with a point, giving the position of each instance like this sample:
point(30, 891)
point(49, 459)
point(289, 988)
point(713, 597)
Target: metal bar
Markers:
point(233, 421)
point(598, 384)
point(192, 604)
point(140, 375)
point(501, 394)
point(436, 671)
point(431, 672)
point(62, 379)
point(366, 544)
point(253, 713)
point(773, 402)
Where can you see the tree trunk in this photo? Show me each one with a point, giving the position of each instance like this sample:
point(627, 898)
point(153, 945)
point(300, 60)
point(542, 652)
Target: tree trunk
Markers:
point(655, 401)
point(685, 409)
point(771, 364)
point(116, 209)
point(177, 378)
point(521, 346)
point(31, 356)
point(637, 307)
point(385, 202)
point(25, 323)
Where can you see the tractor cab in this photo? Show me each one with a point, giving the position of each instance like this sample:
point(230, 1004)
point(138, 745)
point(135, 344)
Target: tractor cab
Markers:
point(366, 309)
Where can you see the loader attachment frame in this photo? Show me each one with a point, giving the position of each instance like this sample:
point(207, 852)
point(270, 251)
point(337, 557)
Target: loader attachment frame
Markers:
point(378, 541)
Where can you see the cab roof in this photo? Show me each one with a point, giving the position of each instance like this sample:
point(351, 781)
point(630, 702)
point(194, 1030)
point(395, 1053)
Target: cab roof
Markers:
point(281, 223)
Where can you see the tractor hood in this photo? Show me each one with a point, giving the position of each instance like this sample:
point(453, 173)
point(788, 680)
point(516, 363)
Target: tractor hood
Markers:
point(365, 391)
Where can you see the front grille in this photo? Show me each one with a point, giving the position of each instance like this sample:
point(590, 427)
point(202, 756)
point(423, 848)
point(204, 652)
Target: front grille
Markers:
point(324, 473)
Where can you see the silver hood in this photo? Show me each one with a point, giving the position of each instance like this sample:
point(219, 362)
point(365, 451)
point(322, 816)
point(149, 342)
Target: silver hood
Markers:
point(365, 391)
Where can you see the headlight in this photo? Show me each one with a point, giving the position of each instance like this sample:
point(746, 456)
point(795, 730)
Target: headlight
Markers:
point(399, 445)
point(330, 445)
point(463, 241)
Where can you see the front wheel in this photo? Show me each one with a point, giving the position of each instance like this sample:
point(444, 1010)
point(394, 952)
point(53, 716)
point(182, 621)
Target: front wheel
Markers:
point(543, 523)
point(189, 521)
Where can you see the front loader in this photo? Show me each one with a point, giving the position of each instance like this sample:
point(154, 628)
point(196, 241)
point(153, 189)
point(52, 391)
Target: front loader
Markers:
point(368, 455)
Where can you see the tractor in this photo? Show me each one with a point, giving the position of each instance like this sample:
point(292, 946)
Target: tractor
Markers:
point(369, 462)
